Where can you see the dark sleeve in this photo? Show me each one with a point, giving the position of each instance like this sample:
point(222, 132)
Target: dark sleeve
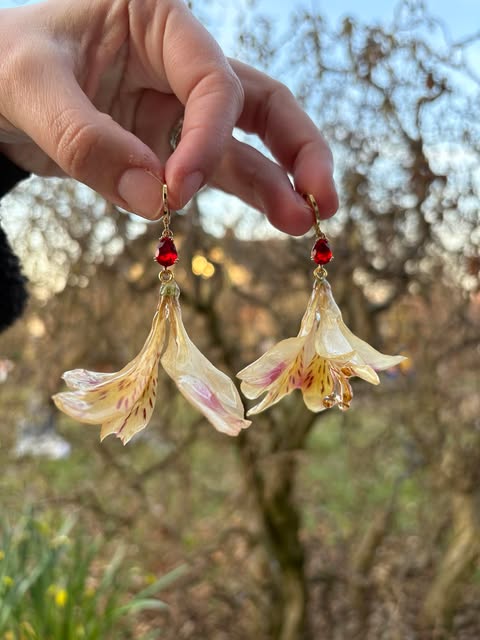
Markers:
point(10, 174)
point(13, 293)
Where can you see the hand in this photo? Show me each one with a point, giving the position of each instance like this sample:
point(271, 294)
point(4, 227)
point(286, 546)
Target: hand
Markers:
point(92, 90)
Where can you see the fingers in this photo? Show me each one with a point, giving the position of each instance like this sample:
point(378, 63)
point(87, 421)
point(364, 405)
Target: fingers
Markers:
point(204, 82)
point(85, 143)
point(52, 109)
point(173, 61)
point(263, 184)
point(272, 112)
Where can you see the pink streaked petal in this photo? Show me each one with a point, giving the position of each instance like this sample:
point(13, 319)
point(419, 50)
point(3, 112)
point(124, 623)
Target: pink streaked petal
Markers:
point(274, 395)
point(292, 378)
point(201, 392)
point(259, 375)
point(207, 402)
point(131, 422)
point(203, 385)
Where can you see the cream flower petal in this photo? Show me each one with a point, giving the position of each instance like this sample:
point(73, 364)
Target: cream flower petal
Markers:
point(99, 397)
point(329, 339)
point(319, 361)
point(363, 371)
point(126, 426)
point(203, 385)
point(367, 354)
point(123, 402)
point(318, 384)
point(82, 378)
point(333, 335)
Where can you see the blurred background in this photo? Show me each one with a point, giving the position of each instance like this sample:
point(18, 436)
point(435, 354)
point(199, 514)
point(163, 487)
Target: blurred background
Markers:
point(357, 525)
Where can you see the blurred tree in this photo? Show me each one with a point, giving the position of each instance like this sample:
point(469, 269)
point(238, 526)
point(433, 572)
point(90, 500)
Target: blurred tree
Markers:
point(398, 105)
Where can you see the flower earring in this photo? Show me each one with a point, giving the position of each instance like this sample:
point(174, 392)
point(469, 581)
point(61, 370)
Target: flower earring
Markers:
point(123, 402)
point(324, 355)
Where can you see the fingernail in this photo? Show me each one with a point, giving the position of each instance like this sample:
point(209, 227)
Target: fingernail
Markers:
point(142, 192)
point(191, 185)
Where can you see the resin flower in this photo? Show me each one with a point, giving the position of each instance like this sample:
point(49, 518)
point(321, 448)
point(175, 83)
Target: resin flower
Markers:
point(319, 361)
point(123, 402)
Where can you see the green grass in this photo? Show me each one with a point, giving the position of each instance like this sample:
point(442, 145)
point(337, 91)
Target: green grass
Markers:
point(344, 478)
point(55, 584)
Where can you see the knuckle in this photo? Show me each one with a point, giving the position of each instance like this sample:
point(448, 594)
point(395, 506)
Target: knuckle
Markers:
point(226, 81)
point(280, 93)
point(75, 141)
point(235, 87)
point(276, 95)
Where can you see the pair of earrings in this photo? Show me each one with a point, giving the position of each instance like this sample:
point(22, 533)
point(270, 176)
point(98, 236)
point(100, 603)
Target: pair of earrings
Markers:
point(320, 360)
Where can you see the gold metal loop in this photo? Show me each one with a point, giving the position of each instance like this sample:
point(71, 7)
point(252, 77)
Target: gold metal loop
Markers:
point(316, 214)
point(166, 213)
point(165, 207)
point(165, 276)
point(175, 134)
point(320, 273)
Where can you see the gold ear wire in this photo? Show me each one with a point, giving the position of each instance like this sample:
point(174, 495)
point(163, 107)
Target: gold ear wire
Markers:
point(165, 199)
point(166, 216)
point(316, 214)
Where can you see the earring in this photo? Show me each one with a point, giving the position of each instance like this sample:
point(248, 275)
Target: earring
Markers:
point(324, 355)
point(123, 402)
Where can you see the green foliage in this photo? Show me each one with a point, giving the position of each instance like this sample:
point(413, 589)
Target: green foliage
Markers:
point(54, 584)
point(362, 465)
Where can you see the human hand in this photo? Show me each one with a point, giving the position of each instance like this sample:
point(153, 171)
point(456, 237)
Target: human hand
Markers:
point(92, 90)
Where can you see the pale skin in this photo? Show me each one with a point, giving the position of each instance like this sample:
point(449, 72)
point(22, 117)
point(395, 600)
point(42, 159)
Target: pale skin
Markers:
point(92, 88)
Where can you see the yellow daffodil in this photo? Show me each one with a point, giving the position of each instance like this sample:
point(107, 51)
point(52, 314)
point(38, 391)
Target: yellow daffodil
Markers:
point(61, 598)
point(123, 402)
point(319, 361)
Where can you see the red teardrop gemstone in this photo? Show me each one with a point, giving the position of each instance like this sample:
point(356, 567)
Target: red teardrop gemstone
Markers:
point(166, 253)
point(321, 252)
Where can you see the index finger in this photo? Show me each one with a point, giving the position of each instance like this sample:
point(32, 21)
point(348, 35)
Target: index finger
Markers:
point(203, 80)
point(272, 112)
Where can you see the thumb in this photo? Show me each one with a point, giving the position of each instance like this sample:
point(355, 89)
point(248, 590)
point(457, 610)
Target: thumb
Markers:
point(86, 144)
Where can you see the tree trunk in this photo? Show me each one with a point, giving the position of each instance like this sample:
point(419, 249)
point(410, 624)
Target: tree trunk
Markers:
point(272, 484)
point(443, 595)
point(282, 522)
point(361, 565)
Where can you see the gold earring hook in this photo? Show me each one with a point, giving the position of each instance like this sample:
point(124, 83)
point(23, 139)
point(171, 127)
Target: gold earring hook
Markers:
point(166, 213)
point(316, 214)
point(165, 207)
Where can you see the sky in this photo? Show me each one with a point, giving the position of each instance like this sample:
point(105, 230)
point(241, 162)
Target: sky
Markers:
point(461, 16)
